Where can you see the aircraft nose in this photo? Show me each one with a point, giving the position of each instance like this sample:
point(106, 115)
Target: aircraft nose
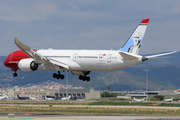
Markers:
point(6, 62)
point(9, 58)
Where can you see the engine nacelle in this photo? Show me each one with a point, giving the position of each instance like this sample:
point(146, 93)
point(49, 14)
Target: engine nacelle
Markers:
point(27, 65)
point(78, 73)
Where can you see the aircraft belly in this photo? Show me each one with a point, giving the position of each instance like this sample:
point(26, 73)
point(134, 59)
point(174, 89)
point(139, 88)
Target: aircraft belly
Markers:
point(92, 65)
point(74, 66)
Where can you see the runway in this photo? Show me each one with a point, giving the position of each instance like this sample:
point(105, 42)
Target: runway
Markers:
point(29, 116)
point(95, 106)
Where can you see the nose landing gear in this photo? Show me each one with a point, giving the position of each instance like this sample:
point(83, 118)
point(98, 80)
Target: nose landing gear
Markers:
point(15, 74)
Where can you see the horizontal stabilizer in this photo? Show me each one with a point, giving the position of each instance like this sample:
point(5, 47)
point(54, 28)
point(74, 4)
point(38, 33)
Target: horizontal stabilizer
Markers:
point(128, 56)
point(158, 55)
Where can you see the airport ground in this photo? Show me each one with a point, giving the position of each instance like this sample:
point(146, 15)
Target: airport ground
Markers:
point(82, 110)
point(29, 116)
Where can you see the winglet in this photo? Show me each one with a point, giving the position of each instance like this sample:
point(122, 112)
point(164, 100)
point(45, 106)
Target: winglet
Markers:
point(24, 47)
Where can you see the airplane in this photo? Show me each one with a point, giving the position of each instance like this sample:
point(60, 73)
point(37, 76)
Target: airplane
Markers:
point(80, 99)
point(14, 98)
point(80, 62)
point(3, 98)
point(168, 100)
point(139, 100)
point(23, 98)
point(32, 98)
point(66, 98)
point(48, 98)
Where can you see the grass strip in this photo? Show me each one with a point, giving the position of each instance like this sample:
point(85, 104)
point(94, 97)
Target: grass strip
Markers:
point(91, 110)
point(122, 103)
point(135, 103)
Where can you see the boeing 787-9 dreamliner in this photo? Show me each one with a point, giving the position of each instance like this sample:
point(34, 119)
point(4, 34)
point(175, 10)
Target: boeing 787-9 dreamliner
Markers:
point(80, 62)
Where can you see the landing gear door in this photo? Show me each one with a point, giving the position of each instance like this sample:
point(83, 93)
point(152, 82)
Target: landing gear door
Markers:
point(74, 57)
point(109, 57)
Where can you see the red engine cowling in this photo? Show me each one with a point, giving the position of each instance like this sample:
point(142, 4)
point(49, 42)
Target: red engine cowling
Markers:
point(27, 65)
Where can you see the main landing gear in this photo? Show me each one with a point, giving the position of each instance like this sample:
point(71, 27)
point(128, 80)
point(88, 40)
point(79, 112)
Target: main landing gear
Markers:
point(57, 76)
point(87, 78)
point(15, 74)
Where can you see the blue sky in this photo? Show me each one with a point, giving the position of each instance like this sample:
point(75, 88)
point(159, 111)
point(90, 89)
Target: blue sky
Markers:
point(88, 24)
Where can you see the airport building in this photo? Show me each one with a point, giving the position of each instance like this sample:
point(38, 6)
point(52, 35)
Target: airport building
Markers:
point(79, 94)
point(75, 93)
point(149, 94)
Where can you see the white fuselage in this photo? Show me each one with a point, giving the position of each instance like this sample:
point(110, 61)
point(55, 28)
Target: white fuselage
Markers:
point(65, 98)
point(32, 98)
point(88, 60)
point(139, 100)
point(3, 98)
point(168, 100)
point(49, 98)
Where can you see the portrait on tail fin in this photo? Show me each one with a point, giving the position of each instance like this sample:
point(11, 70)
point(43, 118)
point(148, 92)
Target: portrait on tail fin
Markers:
point(136, 46)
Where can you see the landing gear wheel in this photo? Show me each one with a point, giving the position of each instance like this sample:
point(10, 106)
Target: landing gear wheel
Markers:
point(84, 78)
point(80, 77)
point(57, 76)
point(54, 75)
point(88, 79)
point(15, 74)
point(62, 76)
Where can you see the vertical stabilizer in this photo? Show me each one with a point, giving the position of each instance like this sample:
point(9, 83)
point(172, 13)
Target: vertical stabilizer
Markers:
point(133, 44)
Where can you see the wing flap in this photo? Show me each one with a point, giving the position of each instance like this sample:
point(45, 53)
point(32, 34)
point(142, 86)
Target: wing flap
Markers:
point(55, 62)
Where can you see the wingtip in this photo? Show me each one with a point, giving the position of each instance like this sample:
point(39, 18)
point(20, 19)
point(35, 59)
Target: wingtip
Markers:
point(16, 39)
point(145, 21)
point(173, 52)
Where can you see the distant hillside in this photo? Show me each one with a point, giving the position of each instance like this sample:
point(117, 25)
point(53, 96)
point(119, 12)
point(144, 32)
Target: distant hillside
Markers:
point(163, 74)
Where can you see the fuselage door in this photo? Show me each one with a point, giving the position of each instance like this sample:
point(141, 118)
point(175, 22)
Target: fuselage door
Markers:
point(109, 57)
point(74, 57)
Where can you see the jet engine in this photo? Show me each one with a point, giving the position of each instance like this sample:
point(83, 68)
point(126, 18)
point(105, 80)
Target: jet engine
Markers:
point(27, 65)
point(78, 73)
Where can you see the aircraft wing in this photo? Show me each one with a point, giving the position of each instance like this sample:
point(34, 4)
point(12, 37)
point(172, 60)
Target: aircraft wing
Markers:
point(38, 57)
point(158, 55)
